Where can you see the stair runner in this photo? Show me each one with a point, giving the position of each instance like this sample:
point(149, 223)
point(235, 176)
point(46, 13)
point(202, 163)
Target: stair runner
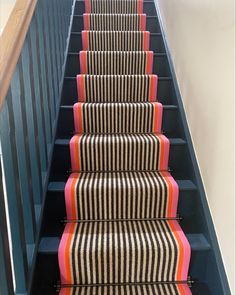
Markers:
point(122, 235)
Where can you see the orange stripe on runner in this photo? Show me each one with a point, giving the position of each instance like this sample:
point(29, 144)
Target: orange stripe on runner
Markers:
point(83, 62)
point(78, 117)
point(170, 194)
point(173, 192)
point(181, 250)
point(175, 228)
point(73, 196)
point(184, 289)
point(164, 152)
point(149, 62)
point(70, 229)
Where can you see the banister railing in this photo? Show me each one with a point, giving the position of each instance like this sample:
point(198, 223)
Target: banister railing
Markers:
point(12, 40)
point(33, 48)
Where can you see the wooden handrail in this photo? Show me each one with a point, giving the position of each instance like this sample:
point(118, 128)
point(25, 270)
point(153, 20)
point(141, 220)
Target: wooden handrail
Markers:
point(12, 40)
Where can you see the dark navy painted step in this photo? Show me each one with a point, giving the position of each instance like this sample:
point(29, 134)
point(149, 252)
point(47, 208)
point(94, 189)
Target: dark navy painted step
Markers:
point(53, 224)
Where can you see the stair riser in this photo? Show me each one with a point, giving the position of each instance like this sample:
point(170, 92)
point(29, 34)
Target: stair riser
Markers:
point(148, 8)
point(160, 65)
point(169, 120)
point(53, 225)
point(78, 24)
point(61, 161)
point(164, 91)
point(48, 274)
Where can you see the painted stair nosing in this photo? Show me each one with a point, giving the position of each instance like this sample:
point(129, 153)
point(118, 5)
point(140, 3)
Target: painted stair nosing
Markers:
point(184, 185)
point(154, 53)
point(173, 141)
point(165, 107)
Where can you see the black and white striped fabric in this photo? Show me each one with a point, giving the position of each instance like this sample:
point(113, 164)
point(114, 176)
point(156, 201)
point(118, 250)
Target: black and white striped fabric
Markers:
point(126, 152)
point(121, 236)
point(114, 22)
point(117, 88)
point(118, 117)
point(124, 252)
point(116, 62)
point(152, 289)
point(115, 40)
point(114, 6)
point(121, 195)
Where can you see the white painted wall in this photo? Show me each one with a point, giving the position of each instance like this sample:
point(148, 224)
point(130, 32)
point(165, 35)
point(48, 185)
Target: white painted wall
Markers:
point(5, 10)
point(201, 38)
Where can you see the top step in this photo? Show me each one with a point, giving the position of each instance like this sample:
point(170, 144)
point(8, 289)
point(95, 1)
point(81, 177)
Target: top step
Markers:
point(148, 8)
point(113, 6)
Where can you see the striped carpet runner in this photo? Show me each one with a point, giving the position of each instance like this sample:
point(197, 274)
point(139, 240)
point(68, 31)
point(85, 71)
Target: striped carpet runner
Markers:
point(121, 235)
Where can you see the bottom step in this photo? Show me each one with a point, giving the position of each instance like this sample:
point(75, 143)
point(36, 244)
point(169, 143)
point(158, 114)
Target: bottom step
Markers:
point(123, 252)
point(150, 289)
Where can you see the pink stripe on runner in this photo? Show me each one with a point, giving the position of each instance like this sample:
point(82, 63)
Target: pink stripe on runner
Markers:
point(146, 41)
point(160, 112)
point(153, 88)
point(187, 250)
point(142, 22)
point(83, 62)
point(85, 40)
point(68, 196)
point(140, 6)
point(87, 6)
point(73, 153)
point(78, 117)
point(175, 195)
point(172, 206)
point(61, 255)
point(86, 21)
point(80, 87)
point(165, 144)
point(149, 63)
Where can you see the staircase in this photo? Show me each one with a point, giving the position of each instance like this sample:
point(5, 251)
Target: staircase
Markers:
point(115, 145)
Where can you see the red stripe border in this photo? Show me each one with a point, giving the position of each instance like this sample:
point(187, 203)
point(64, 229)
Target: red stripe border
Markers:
point(85, 37)
point(83, 62)
point(75, 152)
point(149, 62)
point(81, 87)
point(142, 22)
point(157, 120)
point(86, 21)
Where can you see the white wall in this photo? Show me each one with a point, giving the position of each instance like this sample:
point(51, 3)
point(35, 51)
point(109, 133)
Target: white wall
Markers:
point(200, 35)
point(5, 10)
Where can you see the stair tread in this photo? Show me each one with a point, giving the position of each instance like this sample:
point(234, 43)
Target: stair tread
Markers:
point(173, 141)
point(50, 245)
point(184, 185)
